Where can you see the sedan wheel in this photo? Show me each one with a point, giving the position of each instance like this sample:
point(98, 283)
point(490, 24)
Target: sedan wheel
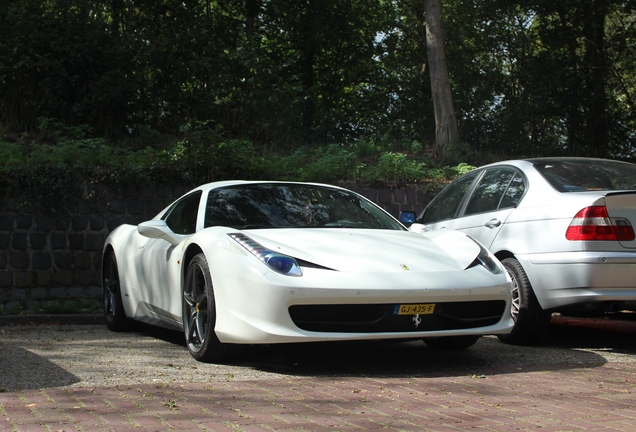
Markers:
point(199, 315)
point(114, 313)
point(451, 342)
point(531, 321)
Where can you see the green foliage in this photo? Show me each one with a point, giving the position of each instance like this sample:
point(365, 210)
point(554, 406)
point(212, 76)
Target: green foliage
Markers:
point(14, 308)
point(397, 167)
point(12, 154)
point(541, 78)
point(51, 165)
point(367, 148)
point(52, 306)
point(322, 164)
point(449, 172)
point(285, 72)
point(328, 164)
point(206, 155)
point(68, 307)
point(464, 168)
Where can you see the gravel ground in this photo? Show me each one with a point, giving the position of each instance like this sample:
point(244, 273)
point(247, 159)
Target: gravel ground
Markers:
point(34, 357)
point(46, 356)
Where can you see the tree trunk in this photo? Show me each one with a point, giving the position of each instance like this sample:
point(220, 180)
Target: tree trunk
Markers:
point(446, 130)
point(252, 9)
point(597, 134)
point(307, 60)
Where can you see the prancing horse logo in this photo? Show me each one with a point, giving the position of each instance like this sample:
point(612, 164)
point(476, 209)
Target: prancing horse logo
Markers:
point(417, 320)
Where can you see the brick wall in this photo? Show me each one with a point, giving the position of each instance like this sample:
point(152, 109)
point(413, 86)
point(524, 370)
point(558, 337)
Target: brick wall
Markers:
point(57, 257)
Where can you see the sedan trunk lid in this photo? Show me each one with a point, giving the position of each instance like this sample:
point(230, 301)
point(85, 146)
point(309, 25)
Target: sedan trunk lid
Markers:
point(622, 204)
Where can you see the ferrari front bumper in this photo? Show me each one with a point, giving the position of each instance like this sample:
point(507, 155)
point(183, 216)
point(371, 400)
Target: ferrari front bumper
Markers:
point(329, 305)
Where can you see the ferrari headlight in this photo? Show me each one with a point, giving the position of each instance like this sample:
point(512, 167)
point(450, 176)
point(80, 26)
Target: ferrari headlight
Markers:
point(280, 263)
point(486, 259)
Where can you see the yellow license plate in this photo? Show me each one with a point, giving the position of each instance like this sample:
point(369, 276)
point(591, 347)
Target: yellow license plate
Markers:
point(412, 309)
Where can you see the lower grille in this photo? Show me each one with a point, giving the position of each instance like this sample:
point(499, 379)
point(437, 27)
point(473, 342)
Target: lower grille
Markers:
point(377, 318)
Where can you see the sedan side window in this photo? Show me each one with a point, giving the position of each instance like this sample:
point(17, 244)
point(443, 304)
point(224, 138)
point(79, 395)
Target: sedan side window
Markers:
point(445, 205)
point(182, 217)
point(490, 192)
point(513, 194)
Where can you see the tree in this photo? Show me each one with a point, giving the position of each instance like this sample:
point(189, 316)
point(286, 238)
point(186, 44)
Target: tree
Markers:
point(446, 130)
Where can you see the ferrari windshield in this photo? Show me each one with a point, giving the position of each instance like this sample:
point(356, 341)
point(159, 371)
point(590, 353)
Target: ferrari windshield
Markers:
point(578, 175)
point(291, 205)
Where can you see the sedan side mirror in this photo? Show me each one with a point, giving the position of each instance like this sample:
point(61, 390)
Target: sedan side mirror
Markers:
point(158, 229)
point(407, 218)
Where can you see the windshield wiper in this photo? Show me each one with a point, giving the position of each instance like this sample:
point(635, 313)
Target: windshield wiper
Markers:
point(254, 226)
point(346, 224)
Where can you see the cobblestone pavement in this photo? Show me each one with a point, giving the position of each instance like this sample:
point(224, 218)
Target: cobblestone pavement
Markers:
point(595, 399)
point(580, 379)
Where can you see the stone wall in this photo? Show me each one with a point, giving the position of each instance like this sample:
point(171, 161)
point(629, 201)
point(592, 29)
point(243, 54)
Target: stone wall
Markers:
point(46, 257)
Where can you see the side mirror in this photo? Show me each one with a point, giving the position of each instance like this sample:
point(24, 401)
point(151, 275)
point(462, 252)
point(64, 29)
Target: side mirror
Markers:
point(419, 228)
point(407, 218)
point(158, 229)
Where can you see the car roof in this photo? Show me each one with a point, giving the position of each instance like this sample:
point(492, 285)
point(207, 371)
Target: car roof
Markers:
point(224, 183)
point(521, 162)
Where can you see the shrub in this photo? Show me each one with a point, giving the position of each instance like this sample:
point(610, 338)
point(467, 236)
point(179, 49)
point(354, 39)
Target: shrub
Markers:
point(52, 164)
point(397, 167)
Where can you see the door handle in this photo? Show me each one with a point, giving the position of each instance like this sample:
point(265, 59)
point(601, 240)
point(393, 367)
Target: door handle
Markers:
point(493, 223)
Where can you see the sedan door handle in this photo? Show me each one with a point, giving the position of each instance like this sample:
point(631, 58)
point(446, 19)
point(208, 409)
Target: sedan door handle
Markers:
point(493, 223)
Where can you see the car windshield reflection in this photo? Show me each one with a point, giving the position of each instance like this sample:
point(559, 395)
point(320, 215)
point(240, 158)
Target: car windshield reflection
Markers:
point(280, 205)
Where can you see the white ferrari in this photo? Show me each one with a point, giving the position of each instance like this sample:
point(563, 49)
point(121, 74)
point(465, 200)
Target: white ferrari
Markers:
point(251, 262)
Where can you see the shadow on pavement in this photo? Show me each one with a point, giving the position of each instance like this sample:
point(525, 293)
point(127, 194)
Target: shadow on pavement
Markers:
point(590, 336)
point(564, 348)
point(26, 370)
point(89, 355)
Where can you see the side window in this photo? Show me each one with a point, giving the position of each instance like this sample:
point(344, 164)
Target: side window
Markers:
point(444, 206)
point(513, 194)
point(489, 192)
point(182, 217)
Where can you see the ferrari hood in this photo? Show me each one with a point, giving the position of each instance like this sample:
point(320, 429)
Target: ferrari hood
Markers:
point(362, 250)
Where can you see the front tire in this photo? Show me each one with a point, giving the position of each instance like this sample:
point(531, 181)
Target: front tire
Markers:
point(199, 315)
point(114, 313)
point(452, 342)
point(531, 321)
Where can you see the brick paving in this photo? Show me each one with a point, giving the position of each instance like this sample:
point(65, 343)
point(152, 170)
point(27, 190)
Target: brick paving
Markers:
point(589, 398)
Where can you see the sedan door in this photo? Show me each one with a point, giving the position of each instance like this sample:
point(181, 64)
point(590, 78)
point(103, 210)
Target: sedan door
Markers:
point(445, 207)
point(491, 201)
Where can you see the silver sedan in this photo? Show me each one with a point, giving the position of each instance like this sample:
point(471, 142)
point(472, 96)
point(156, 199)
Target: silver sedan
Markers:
point(562, 227)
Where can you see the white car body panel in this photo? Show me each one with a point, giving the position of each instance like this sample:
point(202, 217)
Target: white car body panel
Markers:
point(265, 318)
point(361, 266)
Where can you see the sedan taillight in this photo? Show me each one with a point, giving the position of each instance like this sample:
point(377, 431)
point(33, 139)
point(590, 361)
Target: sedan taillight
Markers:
point(594, 223)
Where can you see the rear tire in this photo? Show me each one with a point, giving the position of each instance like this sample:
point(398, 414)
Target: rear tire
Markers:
point(531, 321)
point(199, 315)
point(452, 342)
point(114, 313)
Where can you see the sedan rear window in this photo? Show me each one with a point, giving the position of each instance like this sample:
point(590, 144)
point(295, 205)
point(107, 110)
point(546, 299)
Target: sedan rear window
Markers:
point(588, 174)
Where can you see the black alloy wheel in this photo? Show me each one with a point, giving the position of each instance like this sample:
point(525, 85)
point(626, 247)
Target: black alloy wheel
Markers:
point(531, 321)
point(114, 313)
point(199, 315)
